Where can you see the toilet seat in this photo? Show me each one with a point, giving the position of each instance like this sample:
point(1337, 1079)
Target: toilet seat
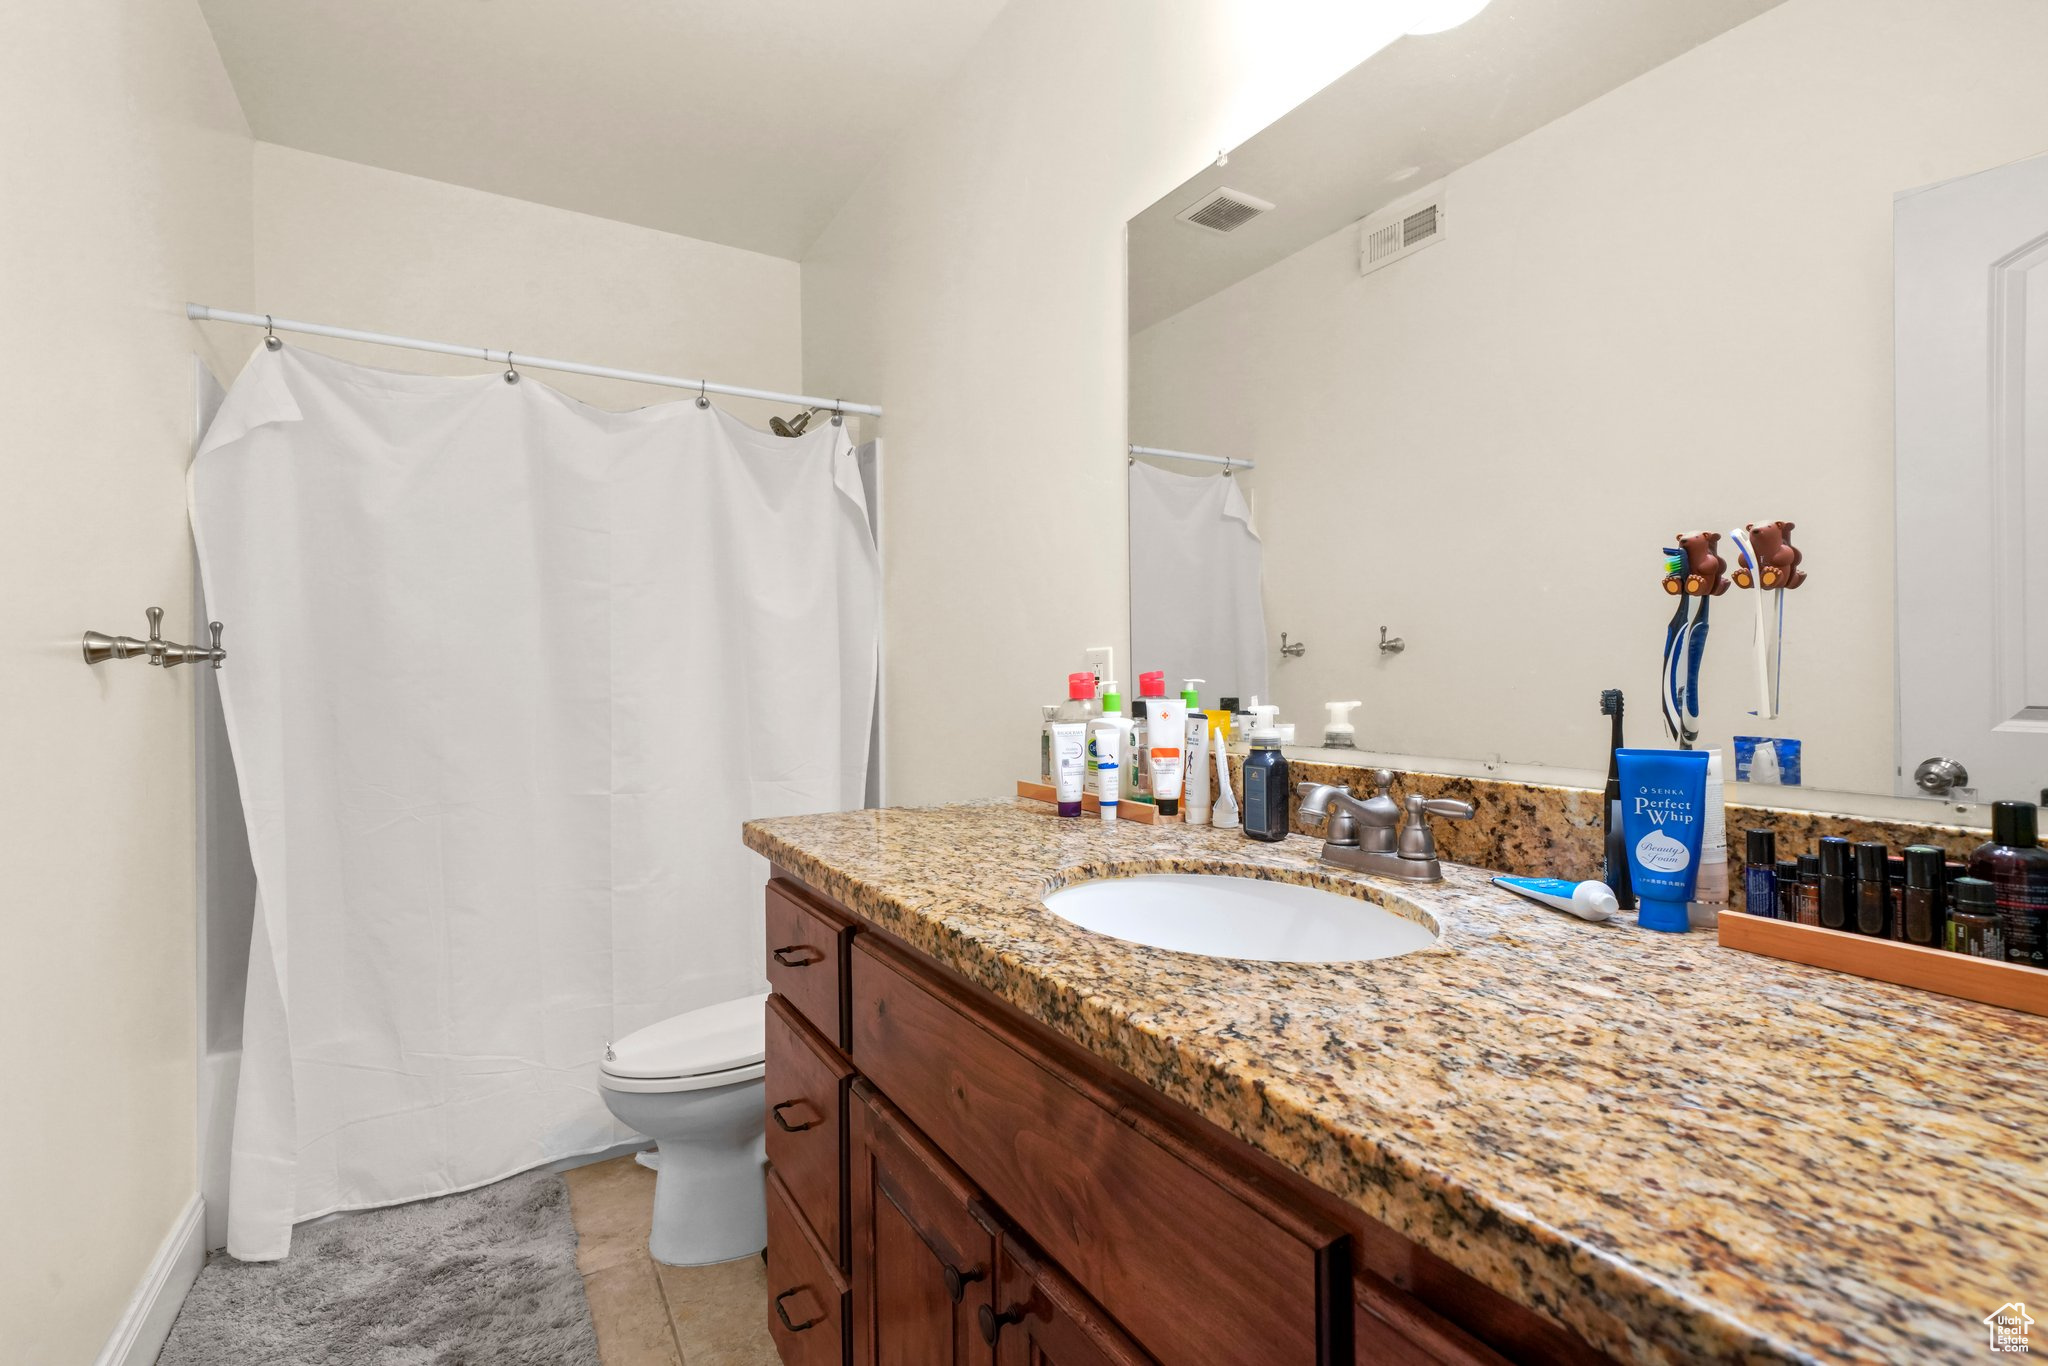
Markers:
point(717, 1045)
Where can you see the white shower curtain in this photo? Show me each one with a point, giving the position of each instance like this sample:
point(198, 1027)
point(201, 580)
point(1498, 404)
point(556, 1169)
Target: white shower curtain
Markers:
point(505, 674)
point(1197, 585)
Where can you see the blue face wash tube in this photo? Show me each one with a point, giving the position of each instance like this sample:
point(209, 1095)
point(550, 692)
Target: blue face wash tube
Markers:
point(1663, 818)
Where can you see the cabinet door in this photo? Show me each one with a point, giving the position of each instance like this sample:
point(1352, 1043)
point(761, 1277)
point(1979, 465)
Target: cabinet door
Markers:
point(922, 1253)
point(1040, 1318)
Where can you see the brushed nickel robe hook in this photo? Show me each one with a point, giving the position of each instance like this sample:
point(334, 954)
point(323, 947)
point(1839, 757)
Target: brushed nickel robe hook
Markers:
point(100, 647)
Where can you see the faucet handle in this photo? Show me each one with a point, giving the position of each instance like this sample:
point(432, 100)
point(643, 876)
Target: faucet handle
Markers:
point(219, 655)
point(1418, 841)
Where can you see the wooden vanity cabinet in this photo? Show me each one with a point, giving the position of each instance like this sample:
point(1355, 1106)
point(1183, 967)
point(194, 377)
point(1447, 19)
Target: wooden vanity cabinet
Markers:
point(953, 1182)
point(925, 1254)
point(1043, 1319)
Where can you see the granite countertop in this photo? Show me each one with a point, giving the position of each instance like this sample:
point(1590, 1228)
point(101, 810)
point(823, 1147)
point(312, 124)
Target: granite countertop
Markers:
point(1678, 1151)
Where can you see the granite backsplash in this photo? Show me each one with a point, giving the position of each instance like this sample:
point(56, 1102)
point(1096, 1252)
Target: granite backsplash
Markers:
point(1540, 831)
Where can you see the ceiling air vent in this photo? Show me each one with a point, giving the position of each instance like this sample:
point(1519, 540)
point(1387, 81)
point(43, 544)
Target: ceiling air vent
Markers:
point(1223, 210)
point(1401, 230)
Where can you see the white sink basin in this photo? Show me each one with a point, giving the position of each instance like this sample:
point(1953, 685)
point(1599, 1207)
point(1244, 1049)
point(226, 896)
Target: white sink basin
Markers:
point(1239, 917)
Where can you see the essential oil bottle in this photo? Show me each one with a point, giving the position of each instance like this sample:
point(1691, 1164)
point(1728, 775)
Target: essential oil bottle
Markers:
point(1837, 894)
point(1974, 925)
point(1760, 872)
point(1873, 889)
point(2014, 863)
point(1921, 910)
point(1895, 873)
point(1809, 889)
point(1788, 889)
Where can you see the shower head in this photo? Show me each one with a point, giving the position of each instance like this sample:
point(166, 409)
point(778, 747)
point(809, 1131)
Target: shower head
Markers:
point(795, 426)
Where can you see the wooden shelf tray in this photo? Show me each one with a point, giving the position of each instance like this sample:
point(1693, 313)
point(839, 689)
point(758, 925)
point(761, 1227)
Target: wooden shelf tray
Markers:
point(1906, 965)
point(1144, 813)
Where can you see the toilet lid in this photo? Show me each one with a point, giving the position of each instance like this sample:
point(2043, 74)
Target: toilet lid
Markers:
point(714, 1039)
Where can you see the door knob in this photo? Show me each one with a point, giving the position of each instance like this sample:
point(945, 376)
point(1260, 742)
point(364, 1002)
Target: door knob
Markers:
point(1938, 776)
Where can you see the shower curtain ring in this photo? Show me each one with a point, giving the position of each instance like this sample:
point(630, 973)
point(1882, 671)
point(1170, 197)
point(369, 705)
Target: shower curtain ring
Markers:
point(271, 341)
point(1226, 467)
point(838, 413)
point(703, 402)
point(511, 370)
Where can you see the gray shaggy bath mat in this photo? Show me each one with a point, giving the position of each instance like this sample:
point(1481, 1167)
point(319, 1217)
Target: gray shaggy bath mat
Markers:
point(484, 1278)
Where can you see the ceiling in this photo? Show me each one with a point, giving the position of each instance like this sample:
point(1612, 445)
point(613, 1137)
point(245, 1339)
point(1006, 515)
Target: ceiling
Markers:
point(747, 124)
point(1410, 114)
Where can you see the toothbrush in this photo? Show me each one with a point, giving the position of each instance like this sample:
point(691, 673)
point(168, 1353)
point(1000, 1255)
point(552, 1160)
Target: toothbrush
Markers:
point(1674, 636)
point(1767, 643)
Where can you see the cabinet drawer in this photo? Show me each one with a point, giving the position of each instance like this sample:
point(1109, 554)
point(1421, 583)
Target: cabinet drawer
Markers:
point(1120, 1202)
point(807, 944)
point(807, 1082)
point(806, 1295)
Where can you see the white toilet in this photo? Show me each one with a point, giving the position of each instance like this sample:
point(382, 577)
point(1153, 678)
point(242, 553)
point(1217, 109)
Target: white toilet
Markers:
point(692, 1083)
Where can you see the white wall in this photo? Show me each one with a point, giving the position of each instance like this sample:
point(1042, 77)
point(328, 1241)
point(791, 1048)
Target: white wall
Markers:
point(124, 190)
point(975, 287)
point(343, 243)
point(1670, 309)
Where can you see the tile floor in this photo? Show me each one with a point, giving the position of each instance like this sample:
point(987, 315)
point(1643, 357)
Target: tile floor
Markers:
point(652, 1315)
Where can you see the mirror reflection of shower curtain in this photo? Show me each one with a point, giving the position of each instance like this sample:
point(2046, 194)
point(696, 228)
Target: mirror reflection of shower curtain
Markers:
point(1196, 584)
point(506, 673)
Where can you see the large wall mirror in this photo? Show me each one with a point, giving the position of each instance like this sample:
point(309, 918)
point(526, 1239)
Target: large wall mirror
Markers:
point(1482, 328)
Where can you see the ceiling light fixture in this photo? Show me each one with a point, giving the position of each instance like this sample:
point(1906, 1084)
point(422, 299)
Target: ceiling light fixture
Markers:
point(1435, 16)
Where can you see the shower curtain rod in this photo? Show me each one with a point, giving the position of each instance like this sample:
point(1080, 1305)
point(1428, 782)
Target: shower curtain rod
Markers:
point(1230, 461)
point(519, 359)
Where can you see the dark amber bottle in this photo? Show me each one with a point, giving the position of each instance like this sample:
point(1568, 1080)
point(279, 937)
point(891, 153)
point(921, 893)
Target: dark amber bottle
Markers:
point(1873, 889)
point(1921, 909)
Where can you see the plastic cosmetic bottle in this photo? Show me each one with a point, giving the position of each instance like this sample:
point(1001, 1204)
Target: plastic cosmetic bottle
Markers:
point(1195, 786)
point(1166, 738)
point(1338, 732)
point(1265, 789)
point(1050, 710)
point(1069, 730)
point(1873, 890)
point(1151, 688)
point(1108, 744)
point(1710, 890)
point(2014, 863)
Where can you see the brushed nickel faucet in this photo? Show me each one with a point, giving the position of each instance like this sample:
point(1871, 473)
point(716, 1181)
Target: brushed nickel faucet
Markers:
point(1363, 835)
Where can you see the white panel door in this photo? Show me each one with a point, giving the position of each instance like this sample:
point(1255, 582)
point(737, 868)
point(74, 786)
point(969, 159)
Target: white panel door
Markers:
point(1972, 446)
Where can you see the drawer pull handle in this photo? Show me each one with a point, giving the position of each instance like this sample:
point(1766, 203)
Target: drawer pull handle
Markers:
point(788, 955)
point(992, 1322)
point(957, 1280)
point(783, 1314)
point(789, 1128)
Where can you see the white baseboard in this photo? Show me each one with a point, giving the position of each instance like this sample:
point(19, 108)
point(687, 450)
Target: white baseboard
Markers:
point(146, 1322)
